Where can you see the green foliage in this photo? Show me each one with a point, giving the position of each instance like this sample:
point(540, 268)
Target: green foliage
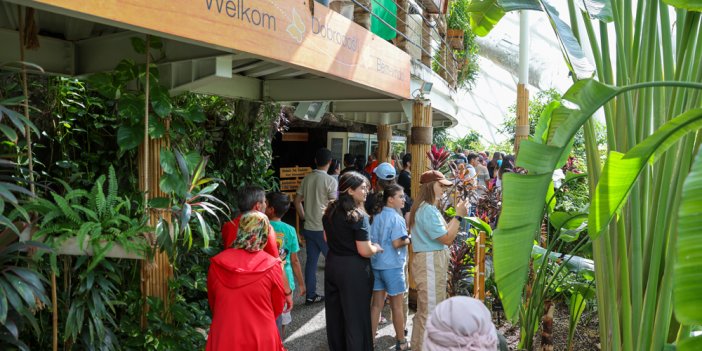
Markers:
point(21, 292)
point(686, 285)
point(94, 298)
point(622, 170)
point(466, 58)
point(129, 104)
point(471, 141)
point(190, 200)
point(245, 153)
point(97, 219)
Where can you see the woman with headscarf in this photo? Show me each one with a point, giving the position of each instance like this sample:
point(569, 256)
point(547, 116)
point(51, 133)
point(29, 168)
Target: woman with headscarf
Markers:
point(460, 323)
point(431, 235)
point(245, 291)
point(348, 279)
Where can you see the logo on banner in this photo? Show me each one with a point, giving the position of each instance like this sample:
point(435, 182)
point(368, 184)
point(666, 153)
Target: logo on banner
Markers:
point(297, 28)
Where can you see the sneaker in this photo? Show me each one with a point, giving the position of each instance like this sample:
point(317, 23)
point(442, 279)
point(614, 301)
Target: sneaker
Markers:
point(315, 299)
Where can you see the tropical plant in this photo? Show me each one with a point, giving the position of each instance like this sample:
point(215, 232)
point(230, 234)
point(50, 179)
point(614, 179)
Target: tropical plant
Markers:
point(437, 157)
point(22, 291)
point(470, 141)
point(190, 200)
point(96, 219)
point(125, 91)
point(13, 126)
point(90, 318)
point(651, 115)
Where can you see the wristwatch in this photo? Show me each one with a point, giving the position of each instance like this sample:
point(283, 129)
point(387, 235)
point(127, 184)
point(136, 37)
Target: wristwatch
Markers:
point(459, 218)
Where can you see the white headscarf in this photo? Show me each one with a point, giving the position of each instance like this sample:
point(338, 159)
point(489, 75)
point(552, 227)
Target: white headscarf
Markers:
point(460, 323)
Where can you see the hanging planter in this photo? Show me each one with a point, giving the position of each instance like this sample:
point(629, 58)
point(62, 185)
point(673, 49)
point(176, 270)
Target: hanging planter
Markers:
point(454, 38)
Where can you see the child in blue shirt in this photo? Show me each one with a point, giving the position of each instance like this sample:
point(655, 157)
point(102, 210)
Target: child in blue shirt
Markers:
point(277, 204)
point(389, 230)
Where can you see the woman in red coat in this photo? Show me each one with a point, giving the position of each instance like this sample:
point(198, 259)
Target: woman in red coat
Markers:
point(245, 291)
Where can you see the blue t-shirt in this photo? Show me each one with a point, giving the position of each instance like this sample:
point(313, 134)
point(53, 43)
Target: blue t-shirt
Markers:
point(286, 238)
point(428, 226)
point(387, 226)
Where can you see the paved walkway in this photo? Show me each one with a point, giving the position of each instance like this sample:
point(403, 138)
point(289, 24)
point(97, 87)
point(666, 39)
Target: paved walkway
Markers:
point(307, 332)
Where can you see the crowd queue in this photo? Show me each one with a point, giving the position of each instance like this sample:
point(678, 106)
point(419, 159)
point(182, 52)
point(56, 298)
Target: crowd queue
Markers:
point(362, 218)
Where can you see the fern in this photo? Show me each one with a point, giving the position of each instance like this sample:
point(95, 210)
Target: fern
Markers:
point(99, 193)
point(111, 188)
point(66, 208)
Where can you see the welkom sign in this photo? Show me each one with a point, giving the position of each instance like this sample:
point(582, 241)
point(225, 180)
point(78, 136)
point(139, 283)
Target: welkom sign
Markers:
point(281, 30)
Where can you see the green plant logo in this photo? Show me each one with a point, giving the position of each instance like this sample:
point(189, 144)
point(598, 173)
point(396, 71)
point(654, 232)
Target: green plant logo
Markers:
point(297, 28)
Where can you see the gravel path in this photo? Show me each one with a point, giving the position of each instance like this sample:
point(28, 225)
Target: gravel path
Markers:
point(307, 332)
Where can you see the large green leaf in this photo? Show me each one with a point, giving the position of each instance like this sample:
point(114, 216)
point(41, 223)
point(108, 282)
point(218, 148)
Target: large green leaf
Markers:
point(599, 9)
point(538, 158)
point(485, 14)
point(519, 222)
point(687, 283)
point(622, 170)
point(161, 101)
point(588, 95)
point(691, 5)
point(129, 137)
point(575, 58)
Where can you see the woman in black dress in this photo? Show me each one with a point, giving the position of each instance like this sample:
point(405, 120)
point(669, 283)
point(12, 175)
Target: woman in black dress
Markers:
point(348, 279)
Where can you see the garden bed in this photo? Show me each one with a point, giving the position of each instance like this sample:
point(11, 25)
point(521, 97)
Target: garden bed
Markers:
point(586, 337)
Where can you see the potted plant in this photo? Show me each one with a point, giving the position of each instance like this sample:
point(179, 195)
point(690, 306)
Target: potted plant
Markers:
point(458, 22)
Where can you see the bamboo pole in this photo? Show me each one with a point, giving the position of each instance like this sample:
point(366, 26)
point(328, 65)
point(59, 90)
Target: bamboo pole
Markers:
point(23, 40)
point(522, 131)
point(155, 273)
point(419, 145)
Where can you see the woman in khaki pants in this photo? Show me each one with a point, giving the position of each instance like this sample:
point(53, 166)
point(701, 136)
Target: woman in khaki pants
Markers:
point(430, 237)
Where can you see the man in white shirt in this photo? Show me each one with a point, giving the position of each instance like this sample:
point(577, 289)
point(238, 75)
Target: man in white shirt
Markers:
point(316, 190)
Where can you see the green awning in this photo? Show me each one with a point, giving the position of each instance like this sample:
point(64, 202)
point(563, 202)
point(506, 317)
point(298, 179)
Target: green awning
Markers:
point(387, 10)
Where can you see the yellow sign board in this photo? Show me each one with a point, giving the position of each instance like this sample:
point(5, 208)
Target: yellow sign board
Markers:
point(294, 172)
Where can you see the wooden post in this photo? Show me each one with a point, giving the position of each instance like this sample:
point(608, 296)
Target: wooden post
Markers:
point(155, 273)
point(426, 42)
point(420, 143)
point(402, 17)
point(522, 131)
point(361, 14)
point(384, 138)
point(479, 280)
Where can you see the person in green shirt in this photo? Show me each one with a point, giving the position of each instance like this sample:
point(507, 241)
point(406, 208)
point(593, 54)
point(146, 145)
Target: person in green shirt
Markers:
point(277, 204)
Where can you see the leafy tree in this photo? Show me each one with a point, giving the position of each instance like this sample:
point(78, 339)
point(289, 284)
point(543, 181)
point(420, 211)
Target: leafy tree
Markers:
point(470, 141)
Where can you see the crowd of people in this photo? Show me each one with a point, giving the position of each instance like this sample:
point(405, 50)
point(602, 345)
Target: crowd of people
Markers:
point(363, 223)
